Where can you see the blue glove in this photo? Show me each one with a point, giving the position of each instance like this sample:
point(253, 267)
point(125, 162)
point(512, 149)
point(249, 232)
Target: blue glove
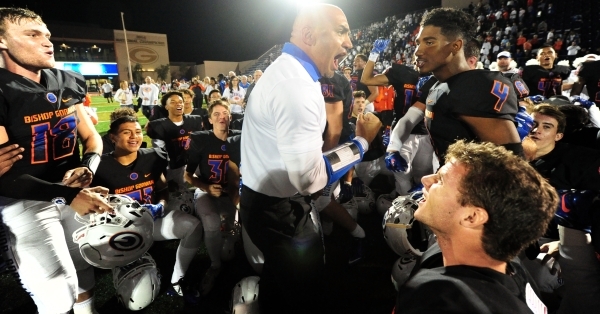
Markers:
point(379, 45)
point(585, 103)
point(156, 210)
point(422, 81)
point(574, 209)
point(536, 99)
point(394, 162)
point(386, 136)
point(416, 188)
point(345, 192)
point(524, 122)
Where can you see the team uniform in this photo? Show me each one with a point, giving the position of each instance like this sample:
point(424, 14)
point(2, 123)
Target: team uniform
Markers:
point(591, 72)
point(417, 149)
point(138, 181)
point(355, 84)
point(107, 91)
point(475, 93)
point(337, 89)
point(208, 159)
point(468, 289)
point(545, 82)
point(149, 91)
point(520, 86)
point(42, 119)
point(175, 137)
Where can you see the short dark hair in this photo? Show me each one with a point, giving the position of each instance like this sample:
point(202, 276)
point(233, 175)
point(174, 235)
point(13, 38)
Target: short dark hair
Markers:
point(114, 126)
point(165, 97)
point(188, 92)
point(121, 112)
point(518, 200)
point(362, 57)
point(576, 117)
point(212, 91)
point(359, 93)
point(472, 48)
point(454, 23)
point(552, 111)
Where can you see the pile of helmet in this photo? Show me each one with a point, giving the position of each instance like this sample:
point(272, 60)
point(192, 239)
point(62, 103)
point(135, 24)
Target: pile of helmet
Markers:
point(119, 241)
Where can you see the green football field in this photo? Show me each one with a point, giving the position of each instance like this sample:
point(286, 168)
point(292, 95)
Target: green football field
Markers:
point(364, 288)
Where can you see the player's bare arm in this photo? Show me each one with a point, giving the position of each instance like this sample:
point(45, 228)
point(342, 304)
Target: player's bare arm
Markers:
point(578, 86)
point(334, 111)
point(9, 155)
point(374, 92)
point(497, 131)
point(233, 177)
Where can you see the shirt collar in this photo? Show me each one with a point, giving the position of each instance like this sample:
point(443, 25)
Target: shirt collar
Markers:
point(304, 60)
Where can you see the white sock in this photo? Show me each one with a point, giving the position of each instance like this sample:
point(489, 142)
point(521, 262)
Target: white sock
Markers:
point(183, 259)
point(85, 307)
point(214, 244)
point(358, 232)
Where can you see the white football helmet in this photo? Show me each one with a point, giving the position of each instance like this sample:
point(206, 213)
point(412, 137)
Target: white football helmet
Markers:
point(112, 240)
point(352, 207)
point(403, 234)
point(138, 283)
point(254, 256)
point(402, 269)
point(244, 298)
point(384, 202)
point(231, 238)
point(364, 197)
point(182, 200)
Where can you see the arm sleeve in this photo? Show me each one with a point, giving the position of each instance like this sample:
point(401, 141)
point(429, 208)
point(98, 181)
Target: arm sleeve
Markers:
point(30, 188)
point(403, 128)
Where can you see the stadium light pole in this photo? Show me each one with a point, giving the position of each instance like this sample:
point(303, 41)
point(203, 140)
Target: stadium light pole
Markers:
point(127, 49)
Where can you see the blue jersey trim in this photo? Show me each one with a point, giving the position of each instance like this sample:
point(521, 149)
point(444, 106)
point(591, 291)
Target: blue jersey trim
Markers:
point(304, 60)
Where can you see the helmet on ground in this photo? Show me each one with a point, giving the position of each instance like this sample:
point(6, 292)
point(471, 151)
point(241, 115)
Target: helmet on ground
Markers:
point(403, 234)
point(138, 283)
point(182, 200)
point(244, 298)
point(111, 240)
point(352, 207)
point(364, 197)
point(384, 202)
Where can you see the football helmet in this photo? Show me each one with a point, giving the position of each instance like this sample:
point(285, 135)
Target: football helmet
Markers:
point(253, 254)
point(138, 283)
point(244, 297)
point(403, 234)
point(182, 200)
point(112, 240)
point(402, 269)
point(364, 197)
point(384, 202)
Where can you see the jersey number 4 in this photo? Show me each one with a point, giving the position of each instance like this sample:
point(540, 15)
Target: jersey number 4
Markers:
point(501, 91)
point(61, 136)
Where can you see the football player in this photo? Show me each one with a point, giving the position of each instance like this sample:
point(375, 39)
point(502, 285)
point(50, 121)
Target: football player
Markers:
point(545, 79)
point(138, 173)
point(209, 154)
point(41, 110)
point(174, 131)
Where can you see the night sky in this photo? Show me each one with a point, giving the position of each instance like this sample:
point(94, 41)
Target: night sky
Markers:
point(198, 30)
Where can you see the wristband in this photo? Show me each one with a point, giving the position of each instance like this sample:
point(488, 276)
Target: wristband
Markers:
point(91, 161)
point(373, 56)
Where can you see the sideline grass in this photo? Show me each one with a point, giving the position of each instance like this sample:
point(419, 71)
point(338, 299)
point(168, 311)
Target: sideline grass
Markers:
point(104, 109)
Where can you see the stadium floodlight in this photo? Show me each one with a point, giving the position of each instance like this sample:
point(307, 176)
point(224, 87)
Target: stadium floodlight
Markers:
point(301, 3)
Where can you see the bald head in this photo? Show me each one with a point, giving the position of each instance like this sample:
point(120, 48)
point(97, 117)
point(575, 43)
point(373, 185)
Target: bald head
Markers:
point(322, 32)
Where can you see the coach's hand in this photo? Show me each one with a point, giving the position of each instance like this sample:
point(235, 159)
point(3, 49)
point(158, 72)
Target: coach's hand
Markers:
point(78, 177)
point(91, 200)
point(8, 156)
point(367, 126)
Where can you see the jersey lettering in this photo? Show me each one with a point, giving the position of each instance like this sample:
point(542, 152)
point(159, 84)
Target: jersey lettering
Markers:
point(521, 89)
point(327, 90)
point(542, 86)
point(500, 90)
point(63, 139)
point(218, 170)
point(408, 95)
point(144, 196)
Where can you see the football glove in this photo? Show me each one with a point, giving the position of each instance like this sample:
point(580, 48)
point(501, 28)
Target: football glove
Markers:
point(394, 162)
point(156, 210)
point(585, 103)
point(524, 122)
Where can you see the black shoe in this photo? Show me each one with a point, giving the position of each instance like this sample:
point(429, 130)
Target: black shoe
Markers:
point(184, 288)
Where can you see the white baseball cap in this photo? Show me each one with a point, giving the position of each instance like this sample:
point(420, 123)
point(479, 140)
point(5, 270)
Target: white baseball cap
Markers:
point(503, 54)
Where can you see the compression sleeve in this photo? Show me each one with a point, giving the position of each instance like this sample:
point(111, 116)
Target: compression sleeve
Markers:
point(403, 128)
point(309, 172)
point(30, 188)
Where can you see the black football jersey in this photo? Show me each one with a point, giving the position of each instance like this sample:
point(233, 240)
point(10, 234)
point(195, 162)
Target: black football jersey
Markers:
point(41, 117)
point(355, 83)
point(545, 82)
point(208, 156)
point(475, 93)
point(520, 86)
point(404, 80)
point(174, 136)
point(590, 71)
point(337, 88)
point(137, 180)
